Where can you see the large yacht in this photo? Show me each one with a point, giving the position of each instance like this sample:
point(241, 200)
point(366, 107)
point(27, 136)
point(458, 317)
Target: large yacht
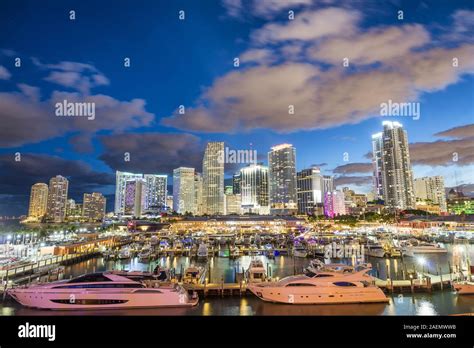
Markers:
point(203, 251)
point(374, 250)
point(413, 247)
point(101, 291)
point(324, 287)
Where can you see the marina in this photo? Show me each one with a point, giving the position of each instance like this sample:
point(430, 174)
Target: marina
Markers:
point(219, 277)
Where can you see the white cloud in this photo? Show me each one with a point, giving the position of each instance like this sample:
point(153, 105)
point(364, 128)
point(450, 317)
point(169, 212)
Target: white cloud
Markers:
point(309, 25)
point(4, 73)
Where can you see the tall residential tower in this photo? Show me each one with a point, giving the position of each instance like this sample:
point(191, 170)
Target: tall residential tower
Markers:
point(38, 201)
point(213, 178)
point(282, 179)
point(397, 176)
point(57, 198)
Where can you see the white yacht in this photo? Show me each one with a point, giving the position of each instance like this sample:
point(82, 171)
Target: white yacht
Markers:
point(374, 250)
point(203, 251)
point(101, 291)
point(300, 251)
point(256, 272)
point(325, 287)
point(145, 253)
point(124, 253)
point(414, 247)
point(194, 275)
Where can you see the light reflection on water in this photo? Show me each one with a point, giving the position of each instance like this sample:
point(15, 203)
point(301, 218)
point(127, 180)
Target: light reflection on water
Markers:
point(437, 303)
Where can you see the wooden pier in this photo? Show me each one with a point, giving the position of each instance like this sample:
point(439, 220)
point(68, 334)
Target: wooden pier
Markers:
point(218, 289)
point(427, 283)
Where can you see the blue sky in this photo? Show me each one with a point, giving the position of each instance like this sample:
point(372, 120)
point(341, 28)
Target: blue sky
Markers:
point(190, 62)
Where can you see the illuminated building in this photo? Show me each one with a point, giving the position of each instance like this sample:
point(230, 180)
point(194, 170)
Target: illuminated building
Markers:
point(38, 201)
point(93, 206)
point(183, 190)
point(57, 198)
point(334, 204)
point(213, 178)
point(282, 179)
point(254, 189)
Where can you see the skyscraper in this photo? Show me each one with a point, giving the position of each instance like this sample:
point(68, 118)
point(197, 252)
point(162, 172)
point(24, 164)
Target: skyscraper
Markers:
point(310, 190)
point(93, 206)
point(156, 189)
point(198, 199)
point(254, 189)
point(377, 162)
point(282, 179)
point(334, 204)
point(134, 197)
point(213, 178)
point(38, 201)
point(183, 190)
point(57, 198)
point(121, 180)
point(431, 188)
point(328, 185)
point(236, 183)
point(397, 176)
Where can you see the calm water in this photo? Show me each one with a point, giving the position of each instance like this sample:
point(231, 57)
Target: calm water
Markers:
point(438, 303)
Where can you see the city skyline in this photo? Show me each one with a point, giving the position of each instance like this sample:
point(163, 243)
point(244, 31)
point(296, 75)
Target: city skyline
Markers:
point(257, 189)
point(184, 99)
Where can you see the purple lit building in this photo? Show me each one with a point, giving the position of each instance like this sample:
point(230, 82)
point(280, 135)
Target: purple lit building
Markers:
point(334, 204)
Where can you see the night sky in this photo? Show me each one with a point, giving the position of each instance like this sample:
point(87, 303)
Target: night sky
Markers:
point(190, 62)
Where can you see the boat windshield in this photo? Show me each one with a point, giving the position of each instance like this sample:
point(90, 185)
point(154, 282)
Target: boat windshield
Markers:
point(90, 278)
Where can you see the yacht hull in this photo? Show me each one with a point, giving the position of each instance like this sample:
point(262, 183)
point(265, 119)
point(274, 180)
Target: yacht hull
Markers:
point(321, 295)
point(89, 299)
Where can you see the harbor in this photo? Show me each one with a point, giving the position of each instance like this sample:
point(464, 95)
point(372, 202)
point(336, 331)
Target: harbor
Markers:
point(219, 275)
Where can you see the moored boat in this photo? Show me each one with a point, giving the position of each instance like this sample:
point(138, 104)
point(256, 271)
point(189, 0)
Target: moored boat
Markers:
point(104, 290)
point(322, 288)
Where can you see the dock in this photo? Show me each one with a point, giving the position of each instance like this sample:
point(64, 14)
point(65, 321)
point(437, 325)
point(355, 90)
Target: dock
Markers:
point(427, 283)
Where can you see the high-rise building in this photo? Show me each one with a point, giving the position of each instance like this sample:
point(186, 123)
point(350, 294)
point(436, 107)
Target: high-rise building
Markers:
point(73, 210)
point(254, 189)
point(282, 179)
point(94, 206)
point(233, 204)
point(121, 180)
point(328, 185)
point(334, 204)
point(134, 197)
point(183, 190)
point(38, 201)
point(310, 190)
point(397, 176)
point(430, 189)
point(213, 178)
point(57, 198)
point(236, 183)
point(377, 163)
point(198, 199)
point(169, 202)
point(156, 190)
